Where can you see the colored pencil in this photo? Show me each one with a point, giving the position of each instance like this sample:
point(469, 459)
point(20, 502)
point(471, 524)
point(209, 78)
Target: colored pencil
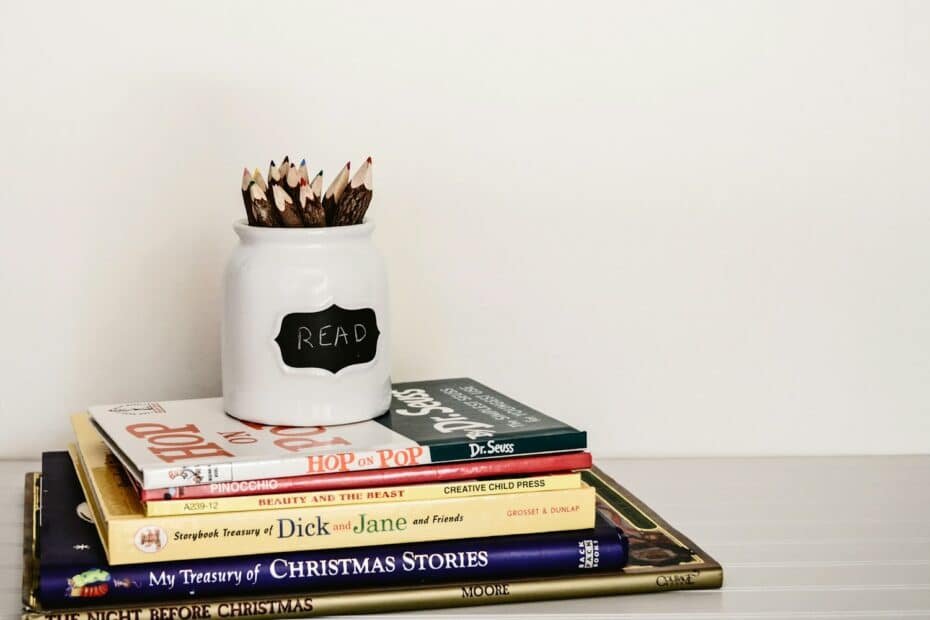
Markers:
point(287, 208)
point(334, 193)
point(274, 178)
point(292, 184)
point(311, 203)
point(246, 198)
point(265, 214)
point(260, 180)
point(356, 198)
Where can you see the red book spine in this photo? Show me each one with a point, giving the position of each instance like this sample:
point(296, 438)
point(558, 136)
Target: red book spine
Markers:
point(379, 477)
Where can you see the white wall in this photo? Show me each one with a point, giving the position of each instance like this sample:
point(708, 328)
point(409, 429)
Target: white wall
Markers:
point(692, 228)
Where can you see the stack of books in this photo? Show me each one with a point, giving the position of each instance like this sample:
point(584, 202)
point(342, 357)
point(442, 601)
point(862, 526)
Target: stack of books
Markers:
point(458, 495)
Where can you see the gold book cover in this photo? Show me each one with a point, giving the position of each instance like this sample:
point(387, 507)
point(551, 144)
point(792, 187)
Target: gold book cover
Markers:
point(660, 559)
point(130, 537)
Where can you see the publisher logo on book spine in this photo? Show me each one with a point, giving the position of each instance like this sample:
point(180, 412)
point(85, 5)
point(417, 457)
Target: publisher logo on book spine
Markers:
point(186, 473)
point(137, 408)
point(589, 553)
point(150, 539)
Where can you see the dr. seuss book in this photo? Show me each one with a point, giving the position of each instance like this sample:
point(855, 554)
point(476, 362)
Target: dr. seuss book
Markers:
point(180, 443)
point(74, 570)
point(130, 537)
point(370, 478)
point(660, 559)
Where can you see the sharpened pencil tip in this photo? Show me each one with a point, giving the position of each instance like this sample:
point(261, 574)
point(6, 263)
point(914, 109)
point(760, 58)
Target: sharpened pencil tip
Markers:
point(320, 173)
point(348, 165)
point(303, 162)
point(272, 162)
point(369, 159)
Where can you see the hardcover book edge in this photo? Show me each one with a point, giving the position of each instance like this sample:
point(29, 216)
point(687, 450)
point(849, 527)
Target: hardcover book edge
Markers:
point(708, 576)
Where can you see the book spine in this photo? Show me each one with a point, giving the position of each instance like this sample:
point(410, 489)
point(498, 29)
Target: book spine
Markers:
point(187, 475)
point(191, 474)
point(562, 441)
point(343, 497)
point(375, 567)
point(399, 599)
point(377, 477)
point(162, 539)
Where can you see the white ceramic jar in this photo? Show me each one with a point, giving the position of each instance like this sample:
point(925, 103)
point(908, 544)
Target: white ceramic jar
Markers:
point(305, 326)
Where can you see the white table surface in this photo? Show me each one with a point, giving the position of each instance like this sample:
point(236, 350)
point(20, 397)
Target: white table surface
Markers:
point(824, 537)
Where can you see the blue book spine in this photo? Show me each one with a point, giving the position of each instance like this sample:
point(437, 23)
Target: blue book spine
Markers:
point(563, 553)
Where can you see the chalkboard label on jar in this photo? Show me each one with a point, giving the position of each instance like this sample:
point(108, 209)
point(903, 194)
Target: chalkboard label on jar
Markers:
point(330, 339)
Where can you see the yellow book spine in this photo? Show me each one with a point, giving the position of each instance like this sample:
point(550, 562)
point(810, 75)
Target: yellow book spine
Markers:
point(345, 497)
point(159, 539)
